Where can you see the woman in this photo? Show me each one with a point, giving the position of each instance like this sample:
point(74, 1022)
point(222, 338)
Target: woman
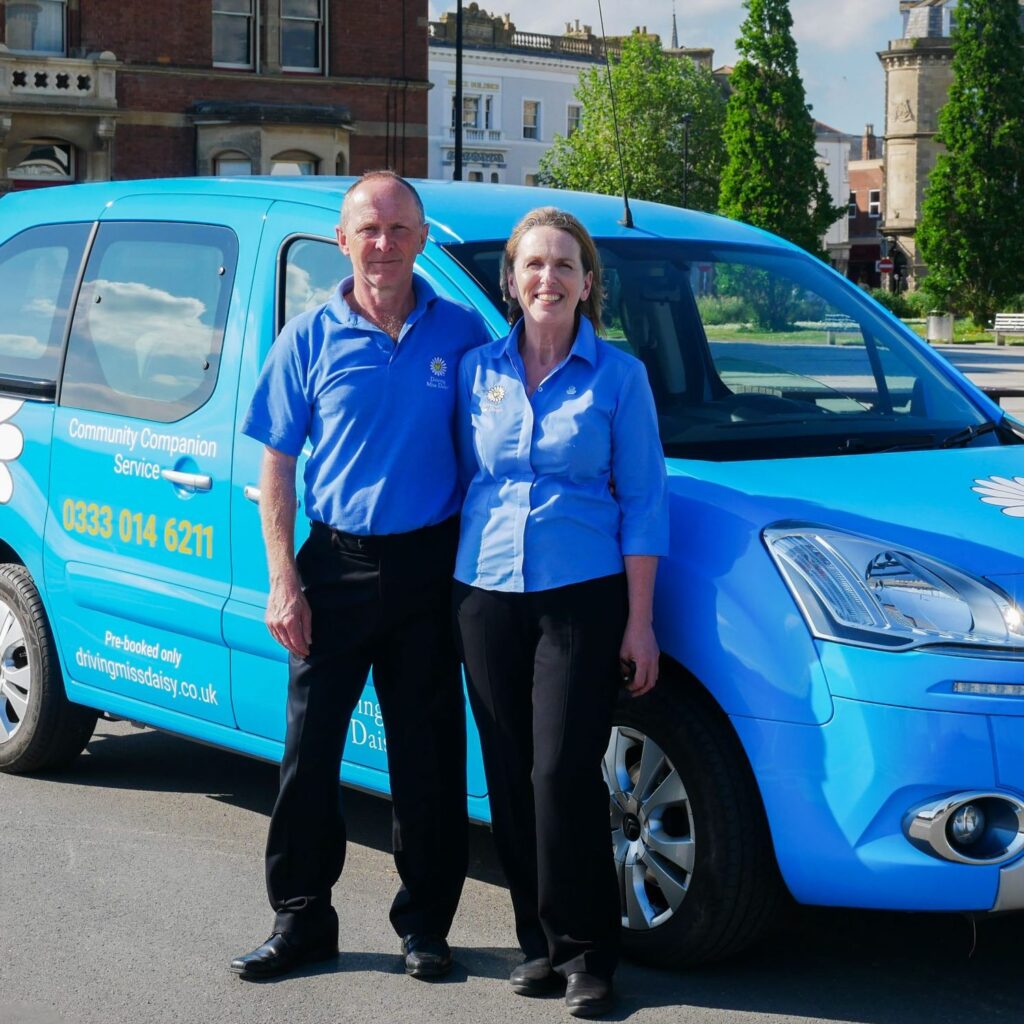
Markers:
point(564, 519)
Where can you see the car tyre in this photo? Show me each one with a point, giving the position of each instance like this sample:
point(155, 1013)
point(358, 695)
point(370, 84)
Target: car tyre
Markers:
point(697, 875)
point(39, 727)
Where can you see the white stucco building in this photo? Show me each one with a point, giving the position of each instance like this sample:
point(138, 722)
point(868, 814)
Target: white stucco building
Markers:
point(518, 93)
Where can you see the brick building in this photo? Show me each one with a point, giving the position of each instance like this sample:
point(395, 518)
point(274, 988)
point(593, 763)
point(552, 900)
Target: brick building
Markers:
point(92, 89)
point(866, 212)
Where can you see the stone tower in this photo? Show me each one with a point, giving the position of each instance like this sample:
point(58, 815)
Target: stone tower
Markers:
point(918, 74)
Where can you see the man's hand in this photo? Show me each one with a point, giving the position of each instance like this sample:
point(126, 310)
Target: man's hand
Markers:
point(638, 656)
point(289, 618)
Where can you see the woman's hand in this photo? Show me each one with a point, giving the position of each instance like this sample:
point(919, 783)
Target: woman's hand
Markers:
point(638, 657)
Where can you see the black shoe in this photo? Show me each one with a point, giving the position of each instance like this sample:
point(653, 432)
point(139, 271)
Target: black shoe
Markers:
point(426, 956)
point(535, 978)
point(587, 995)
point(279, 955)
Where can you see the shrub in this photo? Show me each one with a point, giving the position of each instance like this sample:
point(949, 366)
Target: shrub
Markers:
point(895, 302)
point(724, 309)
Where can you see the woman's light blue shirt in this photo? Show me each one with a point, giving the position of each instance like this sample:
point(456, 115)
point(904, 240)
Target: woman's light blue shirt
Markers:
point(540, 509)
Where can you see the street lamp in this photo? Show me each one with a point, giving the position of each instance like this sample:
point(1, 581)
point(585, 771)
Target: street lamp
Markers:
point(457, 173)
point(686, 158)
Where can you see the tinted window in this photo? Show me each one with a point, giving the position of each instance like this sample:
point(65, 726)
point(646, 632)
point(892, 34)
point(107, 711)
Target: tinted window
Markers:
point(762, 354)
point(37, 270)
point(310, 271)
point(147, 329)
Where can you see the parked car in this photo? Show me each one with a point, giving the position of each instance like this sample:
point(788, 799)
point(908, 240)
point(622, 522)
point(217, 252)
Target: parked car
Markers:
point(841, 710)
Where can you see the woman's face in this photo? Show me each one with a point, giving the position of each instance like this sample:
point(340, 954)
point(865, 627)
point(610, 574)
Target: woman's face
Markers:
point(547, 277)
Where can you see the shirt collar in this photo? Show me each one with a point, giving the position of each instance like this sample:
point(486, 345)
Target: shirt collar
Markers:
point(584, 344)
point(423, 292)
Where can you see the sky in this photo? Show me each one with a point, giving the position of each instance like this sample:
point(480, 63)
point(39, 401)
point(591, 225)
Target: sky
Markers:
point(838, 41)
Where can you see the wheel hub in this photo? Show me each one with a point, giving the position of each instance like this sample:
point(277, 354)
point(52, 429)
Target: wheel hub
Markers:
point(631, 827)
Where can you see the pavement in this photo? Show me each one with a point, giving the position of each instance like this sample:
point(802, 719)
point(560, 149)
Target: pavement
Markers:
point(128, 882)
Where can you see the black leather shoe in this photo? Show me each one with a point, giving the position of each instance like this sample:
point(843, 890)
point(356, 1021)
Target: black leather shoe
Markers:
point(587, 995)
point(426, 956)
point(535, 978)
point(279, 955)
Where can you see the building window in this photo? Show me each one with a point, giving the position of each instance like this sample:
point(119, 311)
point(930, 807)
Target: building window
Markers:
point(36, 25)
point(875, 203)
point(488, 112)
point(853, 204)
point(233, 33)
point(232, 164)
point(529, 179)
point(302, 29)
point(470, 111)
point(495, 178)
point(531, 119)
point(45, 160)
point(574, 113)
point(475, 176)
point(294, 162)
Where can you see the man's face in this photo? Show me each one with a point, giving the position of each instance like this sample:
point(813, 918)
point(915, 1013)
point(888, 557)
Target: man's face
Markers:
point(381, 232)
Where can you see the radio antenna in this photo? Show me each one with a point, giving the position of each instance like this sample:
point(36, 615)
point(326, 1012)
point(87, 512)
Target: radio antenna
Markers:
point(627, 217)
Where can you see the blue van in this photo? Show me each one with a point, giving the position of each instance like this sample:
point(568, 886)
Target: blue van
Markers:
point(841, 712)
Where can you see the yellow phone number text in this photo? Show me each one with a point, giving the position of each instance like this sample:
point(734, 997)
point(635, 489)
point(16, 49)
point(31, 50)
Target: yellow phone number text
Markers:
point(179, 535)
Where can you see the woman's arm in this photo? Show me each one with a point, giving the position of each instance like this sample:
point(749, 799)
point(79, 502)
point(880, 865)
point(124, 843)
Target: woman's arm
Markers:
point(639, 646)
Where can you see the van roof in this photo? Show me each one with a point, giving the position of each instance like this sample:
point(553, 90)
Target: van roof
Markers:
point(457, 211)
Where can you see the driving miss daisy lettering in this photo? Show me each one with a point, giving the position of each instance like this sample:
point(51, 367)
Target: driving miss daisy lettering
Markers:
point(180, 536)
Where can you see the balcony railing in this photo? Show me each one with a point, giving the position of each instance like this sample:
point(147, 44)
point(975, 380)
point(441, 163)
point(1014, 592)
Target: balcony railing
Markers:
point(90, 81)
point(477, 134)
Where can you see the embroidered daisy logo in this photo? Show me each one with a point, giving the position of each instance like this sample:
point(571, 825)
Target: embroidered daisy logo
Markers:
point(1002, 491)
point(571, 389)
point(495, 393)
point(11, 445)
point(438, 367)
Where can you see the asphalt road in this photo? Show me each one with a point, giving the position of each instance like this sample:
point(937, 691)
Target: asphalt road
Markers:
point(991, 366)
point(128, 883)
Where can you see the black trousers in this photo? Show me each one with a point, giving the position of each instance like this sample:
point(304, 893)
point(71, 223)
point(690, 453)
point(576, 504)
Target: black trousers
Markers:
point(543, 670)
point(381, 602)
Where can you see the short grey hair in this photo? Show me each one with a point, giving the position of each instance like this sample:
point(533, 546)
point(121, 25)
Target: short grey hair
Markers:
point(382, 175)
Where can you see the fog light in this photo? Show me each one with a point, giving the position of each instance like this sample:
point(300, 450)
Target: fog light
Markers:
point(967, 825)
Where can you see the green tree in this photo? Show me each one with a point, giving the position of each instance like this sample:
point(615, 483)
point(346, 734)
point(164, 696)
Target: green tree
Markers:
point(771, 178)
point(654, 93)
point(969, 235)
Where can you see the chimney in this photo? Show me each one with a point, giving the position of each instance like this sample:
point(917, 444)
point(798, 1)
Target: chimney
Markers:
point(869, 144)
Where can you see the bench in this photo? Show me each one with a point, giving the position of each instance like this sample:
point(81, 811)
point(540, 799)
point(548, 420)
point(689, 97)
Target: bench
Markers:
point(1007, 323)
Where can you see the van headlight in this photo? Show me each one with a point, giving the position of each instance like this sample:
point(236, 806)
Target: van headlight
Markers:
point(857, 590)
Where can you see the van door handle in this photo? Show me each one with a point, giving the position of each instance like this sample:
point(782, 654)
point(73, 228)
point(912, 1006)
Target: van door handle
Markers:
point(252, 494)
point(197, 481)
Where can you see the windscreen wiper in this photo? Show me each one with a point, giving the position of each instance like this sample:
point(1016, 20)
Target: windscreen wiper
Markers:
point(968, 434)
point(866, 445)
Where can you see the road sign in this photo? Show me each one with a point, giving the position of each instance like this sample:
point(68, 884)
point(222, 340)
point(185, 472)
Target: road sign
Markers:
point(884, 265)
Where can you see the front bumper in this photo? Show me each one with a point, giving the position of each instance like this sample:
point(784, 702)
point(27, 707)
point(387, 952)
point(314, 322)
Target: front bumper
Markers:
point(837, 797)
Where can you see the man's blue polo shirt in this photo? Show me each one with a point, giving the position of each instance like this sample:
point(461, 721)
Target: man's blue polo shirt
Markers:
point(378, 414)
point(540, 510)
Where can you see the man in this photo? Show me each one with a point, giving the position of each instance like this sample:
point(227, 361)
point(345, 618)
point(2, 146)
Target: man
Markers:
point(368, 380)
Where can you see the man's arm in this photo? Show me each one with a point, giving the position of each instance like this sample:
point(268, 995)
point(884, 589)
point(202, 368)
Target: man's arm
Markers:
point(288, 615)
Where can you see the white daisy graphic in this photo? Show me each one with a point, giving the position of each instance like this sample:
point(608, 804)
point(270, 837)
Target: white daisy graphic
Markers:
point(12, 444)
point(438, 367)
point(1002, 491)
point(495, 393)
